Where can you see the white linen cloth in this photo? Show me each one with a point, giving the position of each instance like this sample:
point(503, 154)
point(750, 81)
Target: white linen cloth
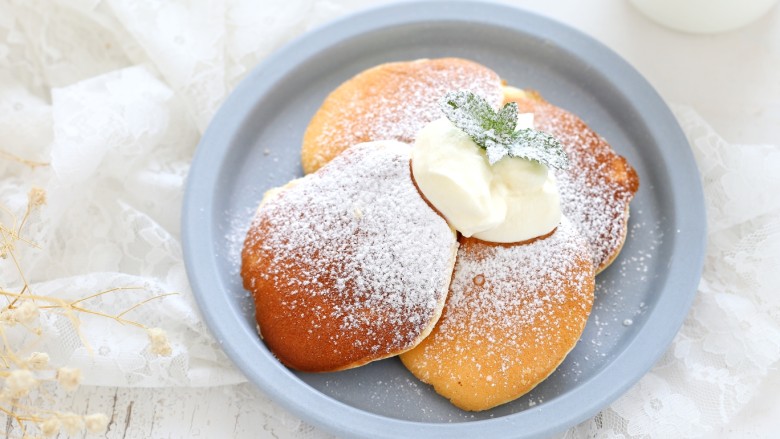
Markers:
point(114, 95)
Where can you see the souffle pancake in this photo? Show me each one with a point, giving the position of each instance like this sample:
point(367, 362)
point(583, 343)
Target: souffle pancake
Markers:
point(513, 313)
point(349, 264)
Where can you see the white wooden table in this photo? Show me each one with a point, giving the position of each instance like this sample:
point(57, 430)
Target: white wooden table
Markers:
point(730, 79)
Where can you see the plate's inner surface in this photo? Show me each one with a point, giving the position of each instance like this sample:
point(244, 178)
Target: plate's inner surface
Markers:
point(269, 155)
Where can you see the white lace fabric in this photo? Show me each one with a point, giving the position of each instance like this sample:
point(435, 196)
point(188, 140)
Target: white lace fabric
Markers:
point(114, 95)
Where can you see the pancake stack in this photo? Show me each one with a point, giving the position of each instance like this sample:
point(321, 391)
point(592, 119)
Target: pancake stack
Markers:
point(350, 264)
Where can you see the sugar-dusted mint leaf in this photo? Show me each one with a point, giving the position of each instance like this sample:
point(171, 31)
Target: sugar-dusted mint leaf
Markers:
point(537, 145)
point(495, 131)
point(507, 117)
point(475, 117)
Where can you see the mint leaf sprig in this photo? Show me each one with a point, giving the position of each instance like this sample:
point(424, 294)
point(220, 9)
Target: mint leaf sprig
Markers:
point(495, 131)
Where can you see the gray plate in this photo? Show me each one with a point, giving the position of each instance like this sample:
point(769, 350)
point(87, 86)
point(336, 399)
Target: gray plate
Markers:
point(641, 300)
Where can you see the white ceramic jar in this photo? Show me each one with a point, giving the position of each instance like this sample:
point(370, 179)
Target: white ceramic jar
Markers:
point(704, 16)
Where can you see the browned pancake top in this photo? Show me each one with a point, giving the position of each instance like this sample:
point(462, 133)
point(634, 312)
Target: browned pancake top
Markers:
point(350, 264)
point(390, 101)
point(513, 313)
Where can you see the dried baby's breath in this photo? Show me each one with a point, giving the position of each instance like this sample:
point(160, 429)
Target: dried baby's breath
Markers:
point(19, 382)
point(26, 312)
point(159, 342)
point(71, 422)
point(7, 317)
point(50, 426)
point(25, 376)
point(96, 423)
point(69, 378)
point(37, 197)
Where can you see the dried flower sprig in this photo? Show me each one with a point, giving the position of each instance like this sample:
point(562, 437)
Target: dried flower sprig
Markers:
point(15, 158)
point(24, 376)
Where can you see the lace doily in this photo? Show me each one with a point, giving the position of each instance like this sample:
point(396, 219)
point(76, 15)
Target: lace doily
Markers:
point(114, 95)
point(731, 338)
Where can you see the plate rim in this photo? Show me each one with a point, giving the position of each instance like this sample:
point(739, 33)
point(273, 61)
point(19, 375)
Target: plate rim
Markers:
point(347, 421)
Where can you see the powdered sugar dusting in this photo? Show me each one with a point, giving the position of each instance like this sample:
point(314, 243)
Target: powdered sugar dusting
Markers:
point(350, 263)
point(596, 189)
point(513, 314)
point(394, 101)
point(492, 283)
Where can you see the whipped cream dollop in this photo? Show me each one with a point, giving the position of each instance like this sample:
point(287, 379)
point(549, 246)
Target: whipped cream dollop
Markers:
point(513, 200)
